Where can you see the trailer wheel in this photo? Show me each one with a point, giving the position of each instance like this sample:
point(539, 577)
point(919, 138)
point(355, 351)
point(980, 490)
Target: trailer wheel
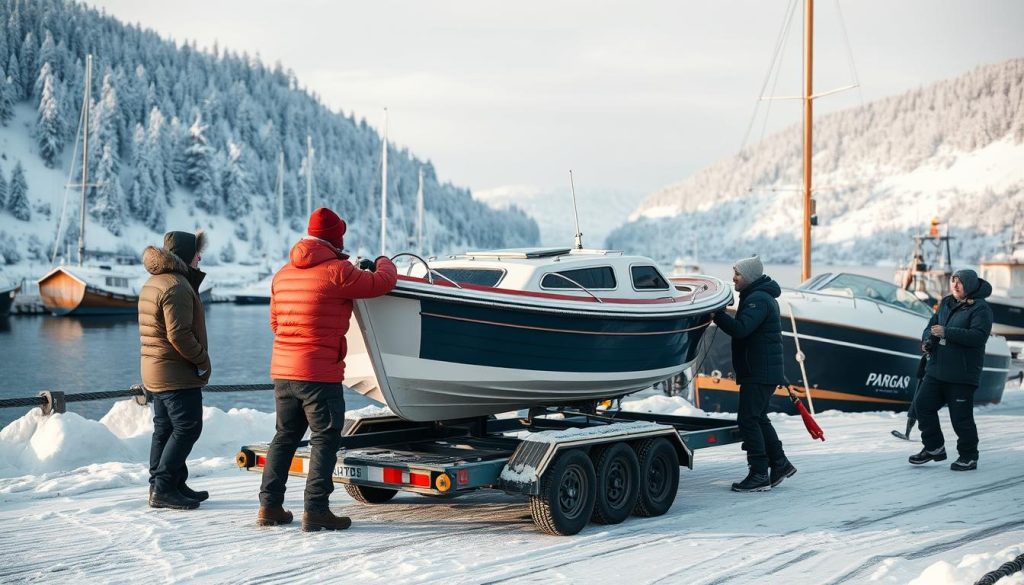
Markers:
point(369, 495)
point(659, 477)
point(618, 477)
point(566, 499)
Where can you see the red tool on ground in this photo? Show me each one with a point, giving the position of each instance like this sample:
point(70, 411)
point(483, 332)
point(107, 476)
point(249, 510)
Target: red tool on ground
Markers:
point(809, 422)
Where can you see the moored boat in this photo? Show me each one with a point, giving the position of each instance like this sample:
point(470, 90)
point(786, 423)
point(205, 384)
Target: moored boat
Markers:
point(861, 342)
point(489, 332)
point(90, 290)
point(7, 293)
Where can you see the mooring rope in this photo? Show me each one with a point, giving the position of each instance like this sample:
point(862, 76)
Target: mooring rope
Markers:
point(135, 390)
point(1004, 570)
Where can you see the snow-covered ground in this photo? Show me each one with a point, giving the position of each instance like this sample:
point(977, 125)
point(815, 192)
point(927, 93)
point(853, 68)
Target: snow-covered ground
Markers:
point(73, 509)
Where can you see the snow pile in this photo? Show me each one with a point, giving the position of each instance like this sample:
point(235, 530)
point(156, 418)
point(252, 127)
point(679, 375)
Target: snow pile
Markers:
point(970, 568)
point(660, 404)
point(37, 444)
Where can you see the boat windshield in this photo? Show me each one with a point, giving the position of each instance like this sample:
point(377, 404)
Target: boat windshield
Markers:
point(865, 287)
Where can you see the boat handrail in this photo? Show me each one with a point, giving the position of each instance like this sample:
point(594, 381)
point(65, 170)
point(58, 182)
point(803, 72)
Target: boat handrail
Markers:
point(583, 288)
point(430, 270)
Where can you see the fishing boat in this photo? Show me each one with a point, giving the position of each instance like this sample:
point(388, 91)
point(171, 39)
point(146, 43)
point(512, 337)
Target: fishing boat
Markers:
point(494, 331)
point(850, 342)
point(930, 267)
point(257, 293)
point(860, 338)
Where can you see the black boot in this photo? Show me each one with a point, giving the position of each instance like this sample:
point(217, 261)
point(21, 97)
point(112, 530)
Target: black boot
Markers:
point(925, 456)
point(192, 494)
point(173, 501)
point(964, 464)
point(781, 472)
point(754, 482)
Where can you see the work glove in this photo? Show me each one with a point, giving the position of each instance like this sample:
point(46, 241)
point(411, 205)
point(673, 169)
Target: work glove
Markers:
point(367, 264)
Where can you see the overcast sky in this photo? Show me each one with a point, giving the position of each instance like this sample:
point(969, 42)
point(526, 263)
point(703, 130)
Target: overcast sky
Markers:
point(632, 96)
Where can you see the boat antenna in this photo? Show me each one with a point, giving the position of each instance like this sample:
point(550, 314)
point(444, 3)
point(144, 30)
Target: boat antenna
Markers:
point(86, 99)
point(578, 245)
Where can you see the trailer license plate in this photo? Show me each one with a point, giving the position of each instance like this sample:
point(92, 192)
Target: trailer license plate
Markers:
point(348, 471)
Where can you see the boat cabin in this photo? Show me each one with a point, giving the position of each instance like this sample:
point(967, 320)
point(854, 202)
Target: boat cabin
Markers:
point(564, 271)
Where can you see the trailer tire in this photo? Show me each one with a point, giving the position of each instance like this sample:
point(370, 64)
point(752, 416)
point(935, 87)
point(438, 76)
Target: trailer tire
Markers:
point(659, 477)
point(369, 495)
point(567, 492)
point(617, 470)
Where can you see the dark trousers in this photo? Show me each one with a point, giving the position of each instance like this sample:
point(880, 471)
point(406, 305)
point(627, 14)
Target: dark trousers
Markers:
point(177, 424)
point(959, 398)
point(760, 440)
point(320, 407)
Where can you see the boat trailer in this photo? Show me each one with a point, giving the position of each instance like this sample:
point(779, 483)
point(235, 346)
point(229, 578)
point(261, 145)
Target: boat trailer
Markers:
point(575, 467)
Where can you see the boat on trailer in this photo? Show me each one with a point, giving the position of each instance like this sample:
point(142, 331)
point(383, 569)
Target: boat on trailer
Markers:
point(494, 331)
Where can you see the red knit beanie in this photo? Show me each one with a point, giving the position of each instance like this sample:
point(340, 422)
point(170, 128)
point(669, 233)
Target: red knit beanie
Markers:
point(326, 225)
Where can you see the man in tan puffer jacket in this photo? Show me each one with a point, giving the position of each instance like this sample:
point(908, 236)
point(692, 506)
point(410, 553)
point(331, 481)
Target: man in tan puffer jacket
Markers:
point(175, 364)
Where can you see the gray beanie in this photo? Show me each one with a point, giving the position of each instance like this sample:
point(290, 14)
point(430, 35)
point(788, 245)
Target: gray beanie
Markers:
point(750, 268)
point(969, 279)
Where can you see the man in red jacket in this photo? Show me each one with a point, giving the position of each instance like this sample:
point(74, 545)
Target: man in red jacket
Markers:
point(310, 307)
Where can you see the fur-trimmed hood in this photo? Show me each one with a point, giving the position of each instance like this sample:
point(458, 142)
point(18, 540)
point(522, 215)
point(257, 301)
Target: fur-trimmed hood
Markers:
point(159, 261)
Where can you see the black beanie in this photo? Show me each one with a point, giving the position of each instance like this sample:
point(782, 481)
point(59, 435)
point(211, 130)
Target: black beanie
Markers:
point(182, 245)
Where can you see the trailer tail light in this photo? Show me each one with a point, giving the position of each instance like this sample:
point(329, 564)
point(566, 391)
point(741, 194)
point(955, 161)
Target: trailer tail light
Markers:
point(261, 461)
point(392, 475)
point(419, 479)
point(443, 483)
point(463, 477)
point(712, 439)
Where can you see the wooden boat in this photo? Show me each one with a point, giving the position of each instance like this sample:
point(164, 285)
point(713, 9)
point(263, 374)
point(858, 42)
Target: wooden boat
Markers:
point(90, 290)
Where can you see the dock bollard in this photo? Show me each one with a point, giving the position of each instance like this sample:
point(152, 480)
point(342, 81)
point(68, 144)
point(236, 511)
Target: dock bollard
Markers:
point(54, 402)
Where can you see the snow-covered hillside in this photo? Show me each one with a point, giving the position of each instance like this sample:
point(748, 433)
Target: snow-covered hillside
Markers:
point(954, 150)
point(183, 138)
point(73, 507)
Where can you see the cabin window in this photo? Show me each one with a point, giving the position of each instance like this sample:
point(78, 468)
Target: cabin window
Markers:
point(117, 281)
point(477, 276)
point(647, 278)
point(601, 277)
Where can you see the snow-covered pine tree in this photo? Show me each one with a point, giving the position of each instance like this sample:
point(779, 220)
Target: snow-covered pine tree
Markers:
point(17, 194)
point(6, 98)
point(28, 64)
point(198, 167)
point(3, 190)
point(108, 203)
point(142, 191)
point(14, 77)
point(156, 150)
point(48, 53)
point(227, 253)
point(105, 123)
point(49, 130)
point(37, 89)
point(235, 184)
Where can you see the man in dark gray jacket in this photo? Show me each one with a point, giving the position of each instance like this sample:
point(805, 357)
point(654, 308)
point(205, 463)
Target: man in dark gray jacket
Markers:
point(955, 341)
point(756, 333)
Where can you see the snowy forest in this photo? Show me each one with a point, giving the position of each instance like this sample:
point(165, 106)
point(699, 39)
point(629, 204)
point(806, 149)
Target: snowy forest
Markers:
point(952, 150)
point(176, 126)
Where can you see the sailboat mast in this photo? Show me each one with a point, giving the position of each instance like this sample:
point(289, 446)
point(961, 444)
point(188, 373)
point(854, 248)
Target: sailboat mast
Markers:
point(86, 103)
point(419, 215)
point(384, 185)
point(805, 270)
point(309, 175)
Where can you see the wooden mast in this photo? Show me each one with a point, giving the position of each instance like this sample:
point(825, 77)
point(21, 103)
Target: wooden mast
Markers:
point(805, 269)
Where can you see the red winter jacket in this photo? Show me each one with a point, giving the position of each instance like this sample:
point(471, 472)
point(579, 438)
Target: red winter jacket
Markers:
point(310, 309)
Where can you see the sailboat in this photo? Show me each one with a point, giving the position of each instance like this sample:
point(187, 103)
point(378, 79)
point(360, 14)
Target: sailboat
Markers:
point(100, 288)
point(850, 342)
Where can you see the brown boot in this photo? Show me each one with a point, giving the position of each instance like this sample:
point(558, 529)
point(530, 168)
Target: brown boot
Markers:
point(324, 520)
point(273, 516)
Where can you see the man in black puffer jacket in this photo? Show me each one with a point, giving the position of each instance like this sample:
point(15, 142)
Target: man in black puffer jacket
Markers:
point(756, 333)
point(955, 341)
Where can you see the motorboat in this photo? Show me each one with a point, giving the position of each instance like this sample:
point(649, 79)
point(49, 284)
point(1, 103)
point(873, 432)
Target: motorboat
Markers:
point(7, 293)
point(495, 331)
point(928, 272)
point(860, 338)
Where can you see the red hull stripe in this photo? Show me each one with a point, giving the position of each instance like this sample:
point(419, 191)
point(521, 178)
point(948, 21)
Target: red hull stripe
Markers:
point(543, 295)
